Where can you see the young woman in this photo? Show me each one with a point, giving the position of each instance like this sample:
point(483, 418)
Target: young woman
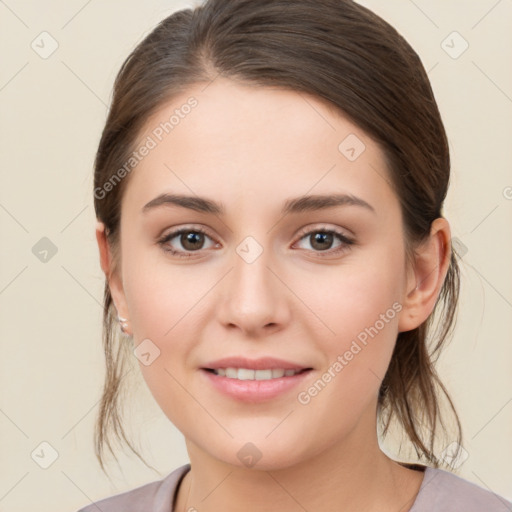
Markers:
point(269, 189)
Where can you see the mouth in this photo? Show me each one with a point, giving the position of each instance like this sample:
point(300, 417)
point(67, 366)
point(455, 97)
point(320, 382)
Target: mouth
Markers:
point(270, 379)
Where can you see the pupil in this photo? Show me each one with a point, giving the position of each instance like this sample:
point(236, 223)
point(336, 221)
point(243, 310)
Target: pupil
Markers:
point(192, 238)
point(322, 238)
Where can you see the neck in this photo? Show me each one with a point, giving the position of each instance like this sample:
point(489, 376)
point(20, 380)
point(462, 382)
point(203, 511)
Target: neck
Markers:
point(353, 475)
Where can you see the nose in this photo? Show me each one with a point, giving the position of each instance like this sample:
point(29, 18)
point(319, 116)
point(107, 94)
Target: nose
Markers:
point(253, 298)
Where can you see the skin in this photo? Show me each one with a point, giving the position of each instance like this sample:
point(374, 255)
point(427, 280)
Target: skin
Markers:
point(252, 148)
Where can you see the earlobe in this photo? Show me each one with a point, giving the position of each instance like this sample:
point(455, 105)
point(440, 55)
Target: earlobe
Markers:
point(426, 278)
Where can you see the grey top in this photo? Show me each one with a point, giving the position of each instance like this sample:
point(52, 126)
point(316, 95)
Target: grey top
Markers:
point(440, 491)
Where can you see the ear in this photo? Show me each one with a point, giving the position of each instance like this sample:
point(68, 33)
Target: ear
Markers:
point(426, 277)
point(111, 273)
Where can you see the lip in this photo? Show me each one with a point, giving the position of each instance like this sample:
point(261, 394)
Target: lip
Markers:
point(254, 391)
point(262, 363)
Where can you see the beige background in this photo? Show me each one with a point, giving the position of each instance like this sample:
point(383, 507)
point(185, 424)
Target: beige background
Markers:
point(52, 113)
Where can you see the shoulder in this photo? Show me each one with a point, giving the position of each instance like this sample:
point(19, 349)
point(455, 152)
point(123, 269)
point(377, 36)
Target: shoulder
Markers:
point(152, 497)
point(442, 491)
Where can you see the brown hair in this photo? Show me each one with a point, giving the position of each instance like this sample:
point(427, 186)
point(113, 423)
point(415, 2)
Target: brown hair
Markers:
point(341, 53)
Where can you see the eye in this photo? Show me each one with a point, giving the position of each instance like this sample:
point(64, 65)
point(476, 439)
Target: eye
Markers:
point(322, 239)
point(190, 239)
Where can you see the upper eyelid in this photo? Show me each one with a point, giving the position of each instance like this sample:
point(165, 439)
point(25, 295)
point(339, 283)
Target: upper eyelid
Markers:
point(340, 231)
point(180, 229)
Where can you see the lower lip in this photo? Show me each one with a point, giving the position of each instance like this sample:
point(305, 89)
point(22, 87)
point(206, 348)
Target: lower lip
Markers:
point(254, 390)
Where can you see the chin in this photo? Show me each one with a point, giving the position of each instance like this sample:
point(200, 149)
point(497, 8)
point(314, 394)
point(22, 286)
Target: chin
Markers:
point(263, 455)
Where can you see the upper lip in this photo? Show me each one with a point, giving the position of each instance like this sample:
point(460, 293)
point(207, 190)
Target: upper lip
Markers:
point(262, 363)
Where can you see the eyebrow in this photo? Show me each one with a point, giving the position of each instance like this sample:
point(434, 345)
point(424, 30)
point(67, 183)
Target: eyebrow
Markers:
point(296, 205)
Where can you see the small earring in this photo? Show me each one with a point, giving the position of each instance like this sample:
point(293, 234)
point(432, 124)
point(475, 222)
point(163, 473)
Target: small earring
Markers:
point(123, 322)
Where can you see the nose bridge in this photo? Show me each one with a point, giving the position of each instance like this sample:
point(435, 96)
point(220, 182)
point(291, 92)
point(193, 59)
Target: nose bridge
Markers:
point(252, 280)
point(253, 296)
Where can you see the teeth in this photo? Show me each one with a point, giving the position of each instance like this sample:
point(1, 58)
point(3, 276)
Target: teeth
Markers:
point(262, 374)
point(248, 374)
point(244, 374)
point(231, 373)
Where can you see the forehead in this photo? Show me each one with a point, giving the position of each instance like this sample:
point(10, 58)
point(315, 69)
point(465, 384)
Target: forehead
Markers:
point(245, 144)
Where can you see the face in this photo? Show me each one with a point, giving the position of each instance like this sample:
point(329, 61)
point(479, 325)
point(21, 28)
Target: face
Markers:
point(262, 272)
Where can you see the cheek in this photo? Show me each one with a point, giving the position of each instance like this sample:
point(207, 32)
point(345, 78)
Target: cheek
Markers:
point(162, 296)
point(356, 363)
point(362, 316)
point(357, 297)
point(165, 304)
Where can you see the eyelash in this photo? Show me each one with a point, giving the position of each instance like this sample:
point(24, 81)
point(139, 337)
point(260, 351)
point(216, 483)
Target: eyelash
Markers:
point(346, 242)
